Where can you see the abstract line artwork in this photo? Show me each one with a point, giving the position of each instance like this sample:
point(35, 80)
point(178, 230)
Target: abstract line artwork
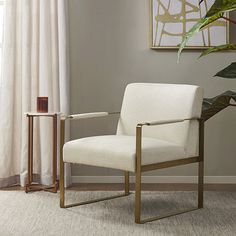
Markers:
point(172, 19)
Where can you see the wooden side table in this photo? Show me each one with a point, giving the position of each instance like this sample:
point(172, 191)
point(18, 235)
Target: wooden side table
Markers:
point(30, 186)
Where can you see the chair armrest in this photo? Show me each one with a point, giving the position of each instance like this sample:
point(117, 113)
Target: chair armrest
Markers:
point(163, 122)
point(139, 128)
point(88, 115)
point(79, 117)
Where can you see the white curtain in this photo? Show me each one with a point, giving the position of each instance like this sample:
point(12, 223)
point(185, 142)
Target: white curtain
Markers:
point(35, 63)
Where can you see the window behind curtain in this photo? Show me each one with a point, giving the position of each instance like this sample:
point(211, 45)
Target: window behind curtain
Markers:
point(1, 35)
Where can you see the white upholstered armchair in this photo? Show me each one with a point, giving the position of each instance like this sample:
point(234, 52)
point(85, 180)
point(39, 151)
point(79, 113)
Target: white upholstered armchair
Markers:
point(159, 127)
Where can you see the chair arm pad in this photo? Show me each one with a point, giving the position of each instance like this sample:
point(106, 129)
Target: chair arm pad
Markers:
point(163, 122)
point(88, 115)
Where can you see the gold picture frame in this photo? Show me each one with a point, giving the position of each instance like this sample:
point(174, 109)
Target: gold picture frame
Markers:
point(154, 45)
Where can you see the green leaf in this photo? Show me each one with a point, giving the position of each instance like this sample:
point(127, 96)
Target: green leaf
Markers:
point(218, 48)
point(221, 6)
point(229, 72)
point(212, 106)
point(196, 28)
point(216, 11)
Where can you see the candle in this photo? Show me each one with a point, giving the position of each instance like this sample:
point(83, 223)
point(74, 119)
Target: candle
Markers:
point(42, 104)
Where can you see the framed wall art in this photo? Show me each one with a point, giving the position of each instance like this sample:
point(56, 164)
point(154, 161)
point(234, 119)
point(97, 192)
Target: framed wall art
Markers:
point(172, 19)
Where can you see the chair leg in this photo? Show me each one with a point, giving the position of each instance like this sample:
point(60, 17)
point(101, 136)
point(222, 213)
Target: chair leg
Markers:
point(200, 183)
point(62, 184)
point(62, 165)
point(138, 184)
point(62, 190)
point(62, 179)
point(127, 183)
point(201, 165)
point(138, 197)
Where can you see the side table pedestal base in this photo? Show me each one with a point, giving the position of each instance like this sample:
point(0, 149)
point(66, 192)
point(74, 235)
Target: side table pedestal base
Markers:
point(40, 187)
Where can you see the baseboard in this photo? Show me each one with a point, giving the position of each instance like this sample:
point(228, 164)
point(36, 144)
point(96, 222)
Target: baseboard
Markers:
point(155, 179)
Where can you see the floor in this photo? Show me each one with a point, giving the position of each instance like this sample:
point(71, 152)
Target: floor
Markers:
point(39, 214)
point(145, 187)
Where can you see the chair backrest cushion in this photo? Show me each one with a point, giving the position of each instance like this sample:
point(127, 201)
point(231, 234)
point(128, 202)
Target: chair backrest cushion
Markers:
point(147, 102)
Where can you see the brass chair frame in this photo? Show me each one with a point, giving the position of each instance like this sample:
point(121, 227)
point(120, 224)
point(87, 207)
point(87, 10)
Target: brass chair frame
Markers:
point(142, 168)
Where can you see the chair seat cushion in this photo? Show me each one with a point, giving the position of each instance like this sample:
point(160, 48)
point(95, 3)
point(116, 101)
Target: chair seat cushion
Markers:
point(118, 151)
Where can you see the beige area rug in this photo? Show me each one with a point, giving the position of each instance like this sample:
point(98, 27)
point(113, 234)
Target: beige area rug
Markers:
point(39, 213)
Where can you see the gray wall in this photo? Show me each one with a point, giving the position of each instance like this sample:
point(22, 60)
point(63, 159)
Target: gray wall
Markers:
point(109, 48)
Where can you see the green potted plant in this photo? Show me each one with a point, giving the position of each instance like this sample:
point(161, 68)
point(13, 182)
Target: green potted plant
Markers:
point(217, 11)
